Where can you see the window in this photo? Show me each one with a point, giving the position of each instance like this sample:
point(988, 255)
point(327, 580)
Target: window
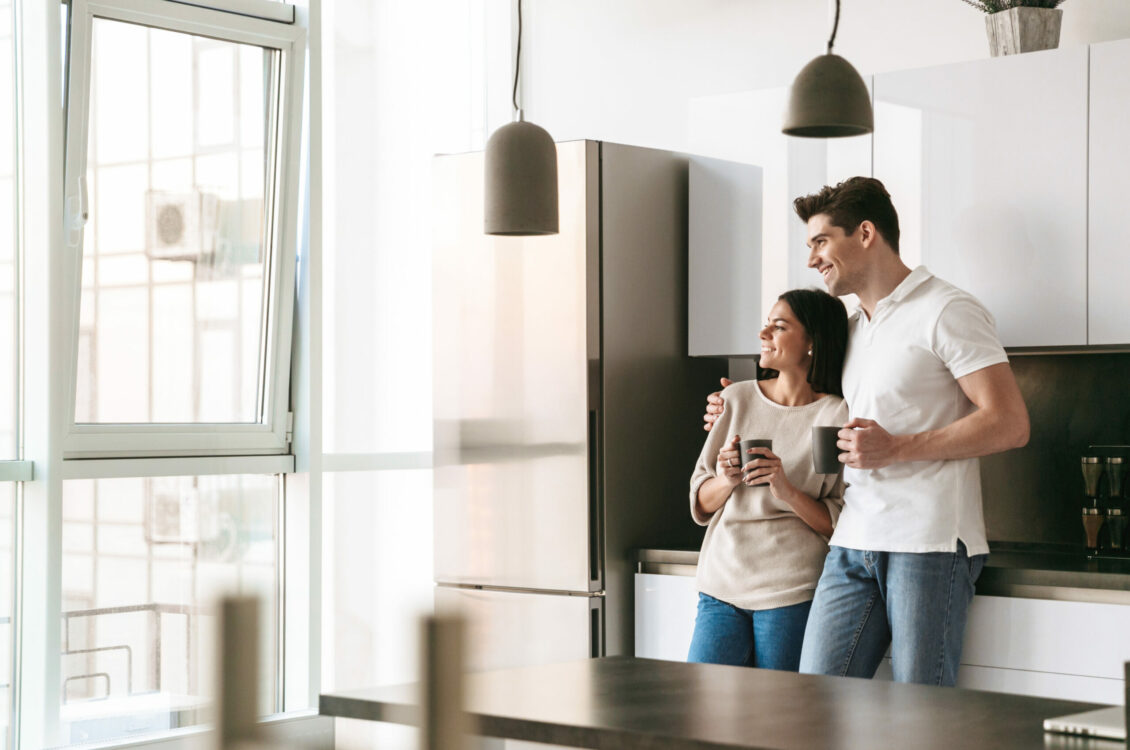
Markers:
point(161, 273)
point(182, 168)
point(9, 393)
point(9, 360)
point(144, 559)
point(171, 317)
point(167, 473)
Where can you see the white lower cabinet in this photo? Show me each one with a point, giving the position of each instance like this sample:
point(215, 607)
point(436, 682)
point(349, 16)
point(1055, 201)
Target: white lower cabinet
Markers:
point(1040, 684)
point(1038, 647)
point(1049, 649)
point(1054, 649)
point(665, 612)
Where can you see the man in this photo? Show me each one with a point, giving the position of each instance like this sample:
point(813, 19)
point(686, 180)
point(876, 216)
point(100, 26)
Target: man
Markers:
point(929, 389)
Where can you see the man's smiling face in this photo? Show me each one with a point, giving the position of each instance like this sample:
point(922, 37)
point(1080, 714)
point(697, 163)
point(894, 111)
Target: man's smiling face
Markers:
point(837, 256)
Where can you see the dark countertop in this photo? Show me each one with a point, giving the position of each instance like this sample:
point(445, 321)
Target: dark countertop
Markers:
point(621, 703)
point(1011, 570)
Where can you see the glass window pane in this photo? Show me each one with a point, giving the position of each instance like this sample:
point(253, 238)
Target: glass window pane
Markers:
point(8, 225)
point(118, 122)
point(144, 562)
point(7, 561)
point(215, 115)
point(176, 170)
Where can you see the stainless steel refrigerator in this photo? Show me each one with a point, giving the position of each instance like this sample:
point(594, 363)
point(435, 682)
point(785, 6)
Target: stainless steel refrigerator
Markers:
point(567, 412)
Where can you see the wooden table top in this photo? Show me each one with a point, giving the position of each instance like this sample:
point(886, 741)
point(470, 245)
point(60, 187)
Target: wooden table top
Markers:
point(618, 703)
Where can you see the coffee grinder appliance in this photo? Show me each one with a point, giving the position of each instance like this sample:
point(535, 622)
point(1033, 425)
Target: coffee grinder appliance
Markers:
point(1105, 515)
point(1093, 516)
point(1115, 518)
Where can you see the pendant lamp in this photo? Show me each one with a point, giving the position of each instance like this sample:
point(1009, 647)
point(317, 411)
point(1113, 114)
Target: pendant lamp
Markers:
point(828, 98)
point(520, 173)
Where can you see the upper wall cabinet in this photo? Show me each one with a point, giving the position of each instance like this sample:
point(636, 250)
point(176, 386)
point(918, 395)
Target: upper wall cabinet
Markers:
point(746, 127)
point(987, 165)
point(724, 263)
point(1109, 267)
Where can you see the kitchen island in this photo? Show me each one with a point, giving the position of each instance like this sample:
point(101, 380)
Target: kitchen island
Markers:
point(621, 703)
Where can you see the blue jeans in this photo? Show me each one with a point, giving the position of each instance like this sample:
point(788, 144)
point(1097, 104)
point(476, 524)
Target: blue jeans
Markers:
point(916, 603)
point(765, 638)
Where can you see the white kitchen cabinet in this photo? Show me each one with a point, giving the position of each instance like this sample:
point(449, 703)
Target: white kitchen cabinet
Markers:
point(1080, 638)
point(1109, 266)
point(1039, 647)
point(1022, 682)
point(1043, 648)
point(665, 612)
point(1040, 684)
point(986, 162)
point(724, 264)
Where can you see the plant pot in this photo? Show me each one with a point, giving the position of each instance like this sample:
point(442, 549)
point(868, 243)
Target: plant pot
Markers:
point(1019, 30)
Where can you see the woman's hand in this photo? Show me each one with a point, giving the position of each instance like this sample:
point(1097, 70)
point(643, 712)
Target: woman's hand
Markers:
point(764, 467)
point(729, 464)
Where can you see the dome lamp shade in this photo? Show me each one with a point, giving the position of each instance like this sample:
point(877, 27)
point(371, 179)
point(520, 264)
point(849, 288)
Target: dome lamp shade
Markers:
point(828, 98)
point(520, 175)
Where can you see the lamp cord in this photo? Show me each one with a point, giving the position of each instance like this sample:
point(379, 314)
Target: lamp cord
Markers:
point(517, 59)
point(831, 40)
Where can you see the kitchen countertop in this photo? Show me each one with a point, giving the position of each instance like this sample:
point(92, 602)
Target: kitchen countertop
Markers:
point(622, 703)
point(1011, 570)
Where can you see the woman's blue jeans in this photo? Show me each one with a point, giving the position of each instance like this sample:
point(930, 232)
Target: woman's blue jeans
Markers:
point(765, 638)
point(916, 603)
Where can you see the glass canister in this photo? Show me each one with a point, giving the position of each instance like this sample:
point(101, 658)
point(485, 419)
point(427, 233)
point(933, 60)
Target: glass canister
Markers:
point(1093, 519)
point(1116, 529)
point(1093, 468)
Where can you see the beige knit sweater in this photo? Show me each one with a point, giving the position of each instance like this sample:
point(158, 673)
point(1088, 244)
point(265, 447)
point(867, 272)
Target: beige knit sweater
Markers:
point(757, 553)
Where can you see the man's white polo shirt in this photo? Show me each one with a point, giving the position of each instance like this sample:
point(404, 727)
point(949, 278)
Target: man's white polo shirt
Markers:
point(901, 370)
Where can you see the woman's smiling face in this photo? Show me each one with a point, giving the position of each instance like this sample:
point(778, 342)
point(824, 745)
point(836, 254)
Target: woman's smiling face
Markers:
point(784, 342)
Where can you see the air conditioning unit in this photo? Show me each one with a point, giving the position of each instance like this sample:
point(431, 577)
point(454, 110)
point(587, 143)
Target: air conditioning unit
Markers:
point(181, 225)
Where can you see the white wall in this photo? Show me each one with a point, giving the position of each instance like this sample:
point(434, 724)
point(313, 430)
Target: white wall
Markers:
point(624, 70)
point(403, 80)
point(671, 75)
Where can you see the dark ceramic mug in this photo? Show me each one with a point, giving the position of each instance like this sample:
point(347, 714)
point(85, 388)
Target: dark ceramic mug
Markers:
point(825, 452)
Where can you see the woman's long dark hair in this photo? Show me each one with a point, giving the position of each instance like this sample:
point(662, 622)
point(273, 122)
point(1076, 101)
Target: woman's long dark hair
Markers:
point(825, 321)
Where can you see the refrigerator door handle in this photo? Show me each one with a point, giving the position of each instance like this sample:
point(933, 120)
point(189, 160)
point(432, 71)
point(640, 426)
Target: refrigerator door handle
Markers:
point(596, 624)
point(596, 515)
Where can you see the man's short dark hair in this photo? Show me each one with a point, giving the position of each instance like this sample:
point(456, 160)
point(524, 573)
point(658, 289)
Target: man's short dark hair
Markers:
point(852, 202)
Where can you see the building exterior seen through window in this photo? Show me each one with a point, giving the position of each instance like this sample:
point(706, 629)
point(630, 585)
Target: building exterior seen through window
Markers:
point(144, 560)
point(9, 351)
point(174, 257)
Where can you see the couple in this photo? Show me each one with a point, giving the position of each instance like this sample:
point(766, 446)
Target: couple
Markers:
point(921, 372)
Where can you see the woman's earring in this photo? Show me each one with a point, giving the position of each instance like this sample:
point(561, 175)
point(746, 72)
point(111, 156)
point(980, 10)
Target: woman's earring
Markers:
point(810, 352)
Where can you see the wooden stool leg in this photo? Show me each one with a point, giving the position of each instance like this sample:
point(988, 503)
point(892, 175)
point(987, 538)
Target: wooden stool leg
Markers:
point(444, 724)
point(237, 694)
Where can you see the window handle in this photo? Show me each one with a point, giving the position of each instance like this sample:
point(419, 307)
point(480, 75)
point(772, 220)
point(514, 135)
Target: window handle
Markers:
point(78, 211)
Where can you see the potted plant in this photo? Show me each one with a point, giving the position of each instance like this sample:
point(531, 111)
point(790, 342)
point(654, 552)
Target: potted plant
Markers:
point(1016, 26)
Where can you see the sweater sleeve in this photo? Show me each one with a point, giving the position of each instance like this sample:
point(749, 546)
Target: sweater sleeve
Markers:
point(833, 496)
point(706, 467)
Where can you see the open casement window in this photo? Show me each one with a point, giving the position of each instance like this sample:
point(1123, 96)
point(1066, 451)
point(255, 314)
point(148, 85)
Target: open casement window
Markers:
point(181, 221)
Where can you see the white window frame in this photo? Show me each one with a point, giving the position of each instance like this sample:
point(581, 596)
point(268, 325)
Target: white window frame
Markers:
point(271, 434)
point(48, 344)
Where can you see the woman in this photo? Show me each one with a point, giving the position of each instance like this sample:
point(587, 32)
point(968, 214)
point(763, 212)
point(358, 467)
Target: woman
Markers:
point(768, 514)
